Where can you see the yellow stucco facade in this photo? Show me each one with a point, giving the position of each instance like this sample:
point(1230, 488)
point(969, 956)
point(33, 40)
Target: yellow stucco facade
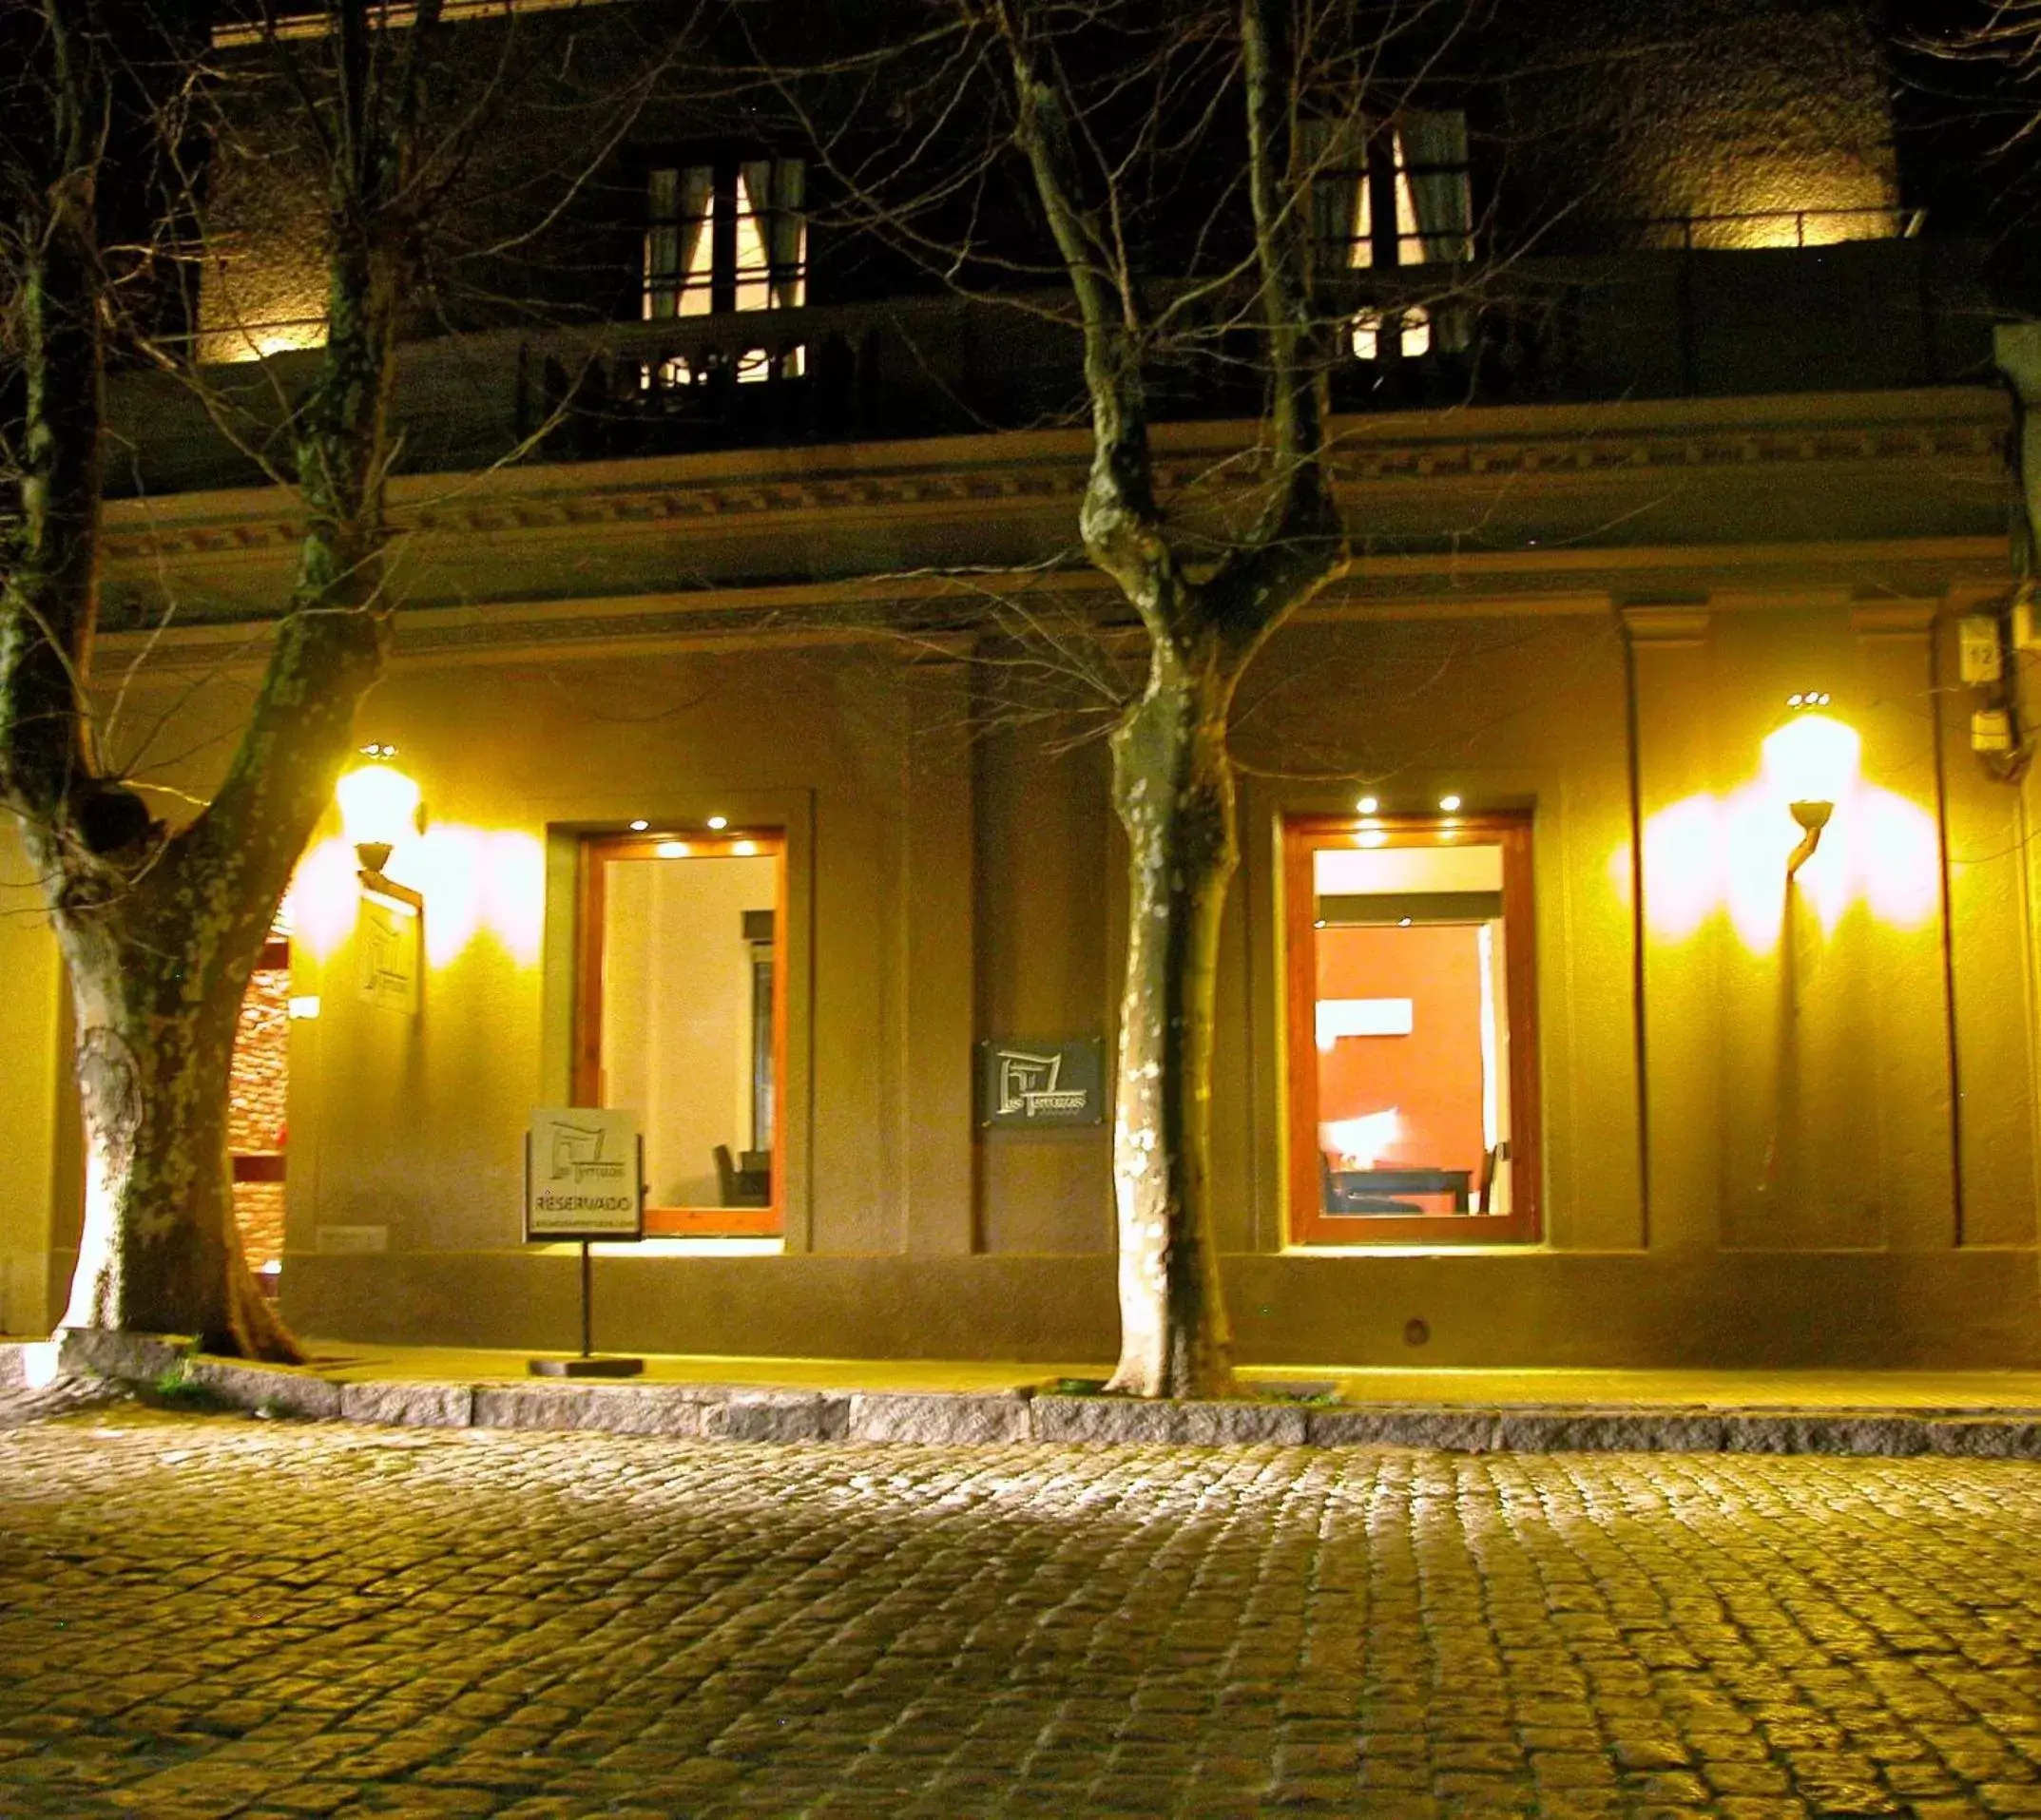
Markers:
point(1775, 1130)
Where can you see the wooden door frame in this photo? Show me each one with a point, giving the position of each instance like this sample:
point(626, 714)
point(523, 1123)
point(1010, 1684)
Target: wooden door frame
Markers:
point(597, 851)
point(1307, 1223)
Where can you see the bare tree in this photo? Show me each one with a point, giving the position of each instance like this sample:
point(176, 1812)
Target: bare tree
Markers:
point(162, 925)
point(1173, 163)
point(1195, 181)
point(1172, 777)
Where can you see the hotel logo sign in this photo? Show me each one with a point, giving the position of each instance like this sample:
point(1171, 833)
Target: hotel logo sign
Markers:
point(388, 941)
point(1025, 1082)
point(582, 1169)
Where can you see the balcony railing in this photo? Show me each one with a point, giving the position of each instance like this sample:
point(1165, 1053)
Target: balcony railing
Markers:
point(1866, 313)
point(1756, 229)
point(948, 366)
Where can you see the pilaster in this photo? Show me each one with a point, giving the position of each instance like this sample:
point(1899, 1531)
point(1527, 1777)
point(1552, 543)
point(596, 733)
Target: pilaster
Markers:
point(938, 945)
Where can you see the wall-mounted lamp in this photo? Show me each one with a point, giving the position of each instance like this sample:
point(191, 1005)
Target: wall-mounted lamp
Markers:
point(1811, 760)
point(378, 807)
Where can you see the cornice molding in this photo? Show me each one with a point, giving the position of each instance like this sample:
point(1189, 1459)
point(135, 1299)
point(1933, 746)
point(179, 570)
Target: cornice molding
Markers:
point(1023, 472)
point(1893, 618)
point(1908, 576)
point(1665, 626)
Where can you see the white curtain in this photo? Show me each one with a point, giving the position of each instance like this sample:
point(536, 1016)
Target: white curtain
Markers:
point(677, 205)
point(770, 256)
point(788, 238)
point(1331, 162)
point(1433, 152)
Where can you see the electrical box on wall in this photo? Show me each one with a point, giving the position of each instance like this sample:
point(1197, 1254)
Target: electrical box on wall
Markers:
point(2026, 623)
point(1980, 655)
point(1990, 730)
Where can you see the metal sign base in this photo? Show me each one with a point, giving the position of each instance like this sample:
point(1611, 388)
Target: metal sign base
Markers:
point(592, 1368)
point(590, 1364)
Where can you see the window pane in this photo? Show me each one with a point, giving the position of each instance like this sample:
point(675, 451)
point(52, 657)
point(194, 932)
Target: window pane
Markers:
point(692, 269)
point(754, 291)
point(686, 967)
point(1434, 201)
point(678, 242)
point(1411, 1029)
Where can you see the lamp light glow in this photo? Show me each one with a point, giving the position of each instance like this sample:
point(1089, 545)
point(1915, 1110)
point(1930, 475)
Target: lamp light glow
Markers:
point(719, 821)
point(673, 850)
point(1450, 804)
point(1811, 762)
point(378, 807)
point(639, 825)
point(1368, 805)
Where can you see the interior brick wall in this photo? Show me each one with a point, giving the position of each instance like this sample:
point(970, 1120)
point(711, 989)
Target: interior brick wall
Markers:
point(256, 1108)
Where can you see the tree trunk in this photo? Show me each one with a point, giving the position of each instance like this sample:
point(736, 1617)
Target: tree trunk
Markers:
point(161, 931)
point(1173, 788)
point(159, 1251)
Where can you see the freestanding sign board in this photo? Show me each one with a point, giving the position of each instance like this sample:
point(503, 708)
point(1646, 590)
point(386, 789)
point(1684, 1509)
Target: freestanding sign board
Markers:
point(584, 1180)
point(583, 1174)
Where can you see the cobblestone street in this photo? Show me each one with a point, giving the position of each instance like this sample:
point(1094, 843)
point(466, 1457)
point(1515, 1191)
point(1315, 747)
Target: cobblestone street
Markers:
point(206, 1616)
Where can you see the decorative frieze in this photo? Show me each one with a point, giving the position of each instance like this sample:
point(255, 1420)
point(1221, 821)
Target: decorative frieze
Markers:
point(578, 498)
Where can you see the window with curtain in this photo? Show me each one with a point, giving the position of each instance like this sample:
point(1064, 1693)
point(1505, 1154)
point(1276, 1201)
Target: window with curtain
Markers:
point(1395, 194)
point(1387, 194)
point(726, 234)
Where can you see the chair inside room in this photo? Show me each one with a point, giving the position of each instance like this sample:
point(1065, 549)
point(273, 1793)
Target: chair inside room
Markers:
point(750, 1185)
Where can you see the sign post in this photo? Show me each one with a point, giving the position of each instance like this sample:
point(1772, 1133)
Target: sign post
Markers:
point(584, 1180)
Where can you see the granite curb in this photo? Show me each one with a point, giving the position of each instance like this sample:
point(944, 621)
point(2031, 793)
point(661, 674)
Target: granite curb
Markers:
point(768, 1415)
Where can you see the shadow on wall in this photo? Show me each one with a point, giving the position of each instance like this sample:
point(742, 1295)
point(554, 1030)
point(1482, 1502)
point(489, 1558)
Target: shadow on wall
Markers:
point(1802, 1042)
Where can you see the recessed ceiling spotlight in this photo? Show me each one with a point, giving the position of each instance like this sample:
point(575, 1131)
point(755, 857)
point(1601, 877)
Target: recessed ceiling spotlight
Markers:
point(719, 821)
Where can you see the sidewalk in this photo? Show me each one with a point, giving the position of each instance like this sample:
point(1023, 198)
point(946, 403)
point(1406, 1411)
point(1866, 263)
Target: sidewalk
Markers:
point(1967, 1413)
point(1975, 1392)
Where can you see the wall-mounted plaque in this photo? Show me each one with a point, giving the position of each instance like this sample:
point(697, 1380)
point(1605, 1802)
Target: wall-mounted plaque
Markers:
point(1023, 1082)
point(388, 942)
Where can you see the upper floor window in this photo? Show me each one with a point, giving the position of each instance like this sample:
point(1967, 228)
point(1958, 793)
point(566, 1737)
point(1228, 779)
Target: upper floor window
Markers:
point(1390, 195)
point(726, 234)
